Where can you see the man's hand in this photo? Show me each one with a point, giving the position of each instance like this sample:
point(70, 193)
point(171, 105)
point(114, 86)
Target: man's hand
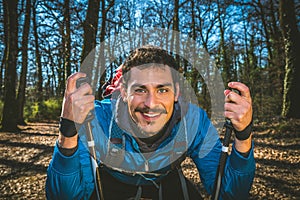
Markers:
point(238, 108)
point(77, 103)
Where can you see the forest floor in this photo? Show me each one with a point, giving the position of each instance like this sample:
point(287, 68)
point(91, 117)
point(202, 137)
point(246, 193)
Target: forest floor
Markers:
point(24, 158)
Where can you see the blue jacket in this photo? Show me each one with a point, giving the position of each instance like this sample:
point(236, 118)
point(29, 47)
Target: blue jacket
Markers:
point(71, 177)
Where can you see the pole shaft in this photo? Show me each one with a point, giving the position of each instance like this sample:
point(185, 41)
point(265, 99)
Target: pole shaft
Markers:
point(98, 183)
point(222, 162)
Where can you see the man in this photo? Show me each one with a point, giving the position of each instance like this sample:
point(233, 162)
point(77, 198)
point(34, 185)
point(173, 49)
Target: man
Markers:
point(144, 134)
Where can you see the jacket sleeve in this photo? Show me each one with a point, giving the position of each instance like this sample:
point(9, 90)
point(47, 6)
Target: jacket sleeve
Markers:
point(69, 177)
point(239, 171)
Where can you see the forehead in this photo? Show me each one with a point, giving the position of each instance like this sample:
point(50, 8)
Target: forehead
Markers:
point(154, 74)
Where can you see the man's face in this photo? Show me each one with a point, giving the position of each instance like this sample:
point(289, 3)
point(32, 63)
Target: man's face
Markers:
point(150, 95)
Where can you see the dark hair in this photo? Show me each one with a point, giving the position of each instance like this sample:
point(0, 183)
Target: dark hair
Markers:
point(149, 55)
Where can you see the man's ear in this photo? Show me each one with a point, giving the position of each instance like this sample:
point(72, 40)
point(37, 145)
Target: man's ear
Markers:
point(177, 91)
point(123, 92)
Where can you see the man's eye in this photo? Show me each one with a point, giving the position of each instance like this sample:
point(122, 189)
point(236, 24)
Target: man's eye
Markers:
point(139, 90)
point(163, 90)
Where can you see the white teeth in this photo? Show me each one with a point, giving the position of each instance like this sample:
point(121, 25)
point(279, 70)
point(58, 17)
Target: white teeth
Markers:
point(151, 115)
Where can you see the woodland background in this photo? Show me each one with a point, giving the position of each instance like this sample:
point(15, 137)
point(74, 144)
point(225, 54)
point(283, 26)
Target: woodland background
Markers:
point(43, 42)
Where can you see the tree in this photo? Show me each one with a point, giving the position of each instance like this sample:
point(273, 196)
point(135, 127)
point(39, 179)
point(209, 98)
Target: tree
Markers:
point(101, 58)
point(273, 42)
point(67, 39)
point(90, 28)
point(37, 56)
point(22, 85)
point(225, 61)
point(291, 98)
point(9, 120)
point(175, 37)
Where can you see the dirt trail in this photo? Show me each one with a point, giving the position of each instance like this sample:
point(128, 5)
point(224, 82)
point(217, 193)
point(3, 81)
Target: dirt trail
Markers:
point(24, 158)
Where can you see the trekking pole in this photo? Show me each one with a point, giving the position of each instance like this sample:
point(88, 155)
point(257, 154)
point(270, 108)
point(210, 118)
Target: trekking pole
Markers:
point(224, 154)
point(91, 145)
point(223, 158)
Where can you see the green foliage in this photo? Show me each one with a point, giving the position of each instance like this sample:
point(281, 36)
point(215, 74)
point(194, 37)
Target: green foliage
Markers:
point(33, 111)
point(47, 110)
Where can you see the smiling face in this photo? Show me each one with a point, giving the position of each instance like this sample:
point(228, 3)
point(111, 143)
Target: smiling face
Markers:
point(150, 94)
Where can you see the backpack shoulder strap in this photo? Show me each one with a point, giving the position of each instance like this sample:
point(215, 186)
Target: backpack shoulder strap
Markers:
point(180, 146)
point(116, 145)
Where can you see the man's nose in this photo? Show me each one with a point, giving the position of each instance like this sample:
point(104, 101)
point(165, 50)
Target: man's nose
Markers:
point(151, 100)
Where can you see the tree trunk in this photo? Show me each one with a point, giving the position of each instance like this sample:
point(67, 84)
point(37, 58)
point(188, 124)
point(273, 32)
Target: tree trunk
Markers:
point(67, 35)
point(9, 120)
point(2, 67)
point(101, 58)
point(90, 27)
point(175, 36)
point(291, 98)
point(225, 62)
point(38, 59)
point(22, 85)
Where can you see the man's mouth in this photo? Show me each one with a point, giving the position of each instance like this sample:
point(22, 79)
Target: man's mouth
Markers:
point(150, 116)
